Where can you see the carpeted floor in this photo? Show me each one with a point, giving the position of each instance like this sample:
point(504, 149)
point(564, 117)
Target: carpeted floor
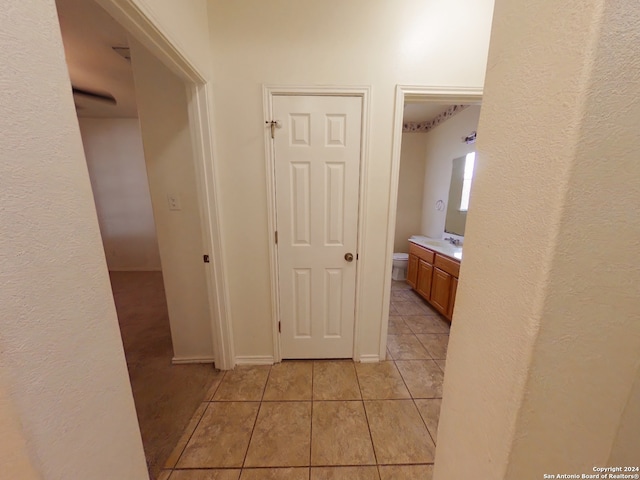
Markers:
point(166, 395)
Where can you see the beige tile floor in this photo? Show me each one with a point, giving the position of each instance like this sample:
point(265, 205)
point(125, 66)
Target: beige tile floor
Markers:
point(325, 420)
point(165, 395)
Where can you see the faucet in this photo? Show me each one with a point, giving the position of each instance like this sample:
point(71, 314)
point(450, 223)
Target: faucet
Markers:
point(453, 241)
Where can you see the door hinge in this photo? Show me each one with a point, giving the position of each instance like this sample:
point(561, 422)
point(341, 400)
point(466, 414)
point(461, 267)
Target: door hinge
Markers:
point(357, 256)
point(205, 258)
point(279, 327)
point(276, 237)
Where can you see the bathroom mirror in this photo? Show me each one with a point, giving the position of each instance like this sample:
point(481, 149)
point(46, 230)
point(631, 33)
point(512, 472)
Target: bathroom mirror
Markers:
point(459, 191)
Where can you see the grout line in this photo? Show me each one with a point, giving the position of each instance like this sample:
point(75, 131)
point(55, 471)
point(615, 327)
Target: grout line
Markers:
point(255, 422)
point(224, 374)
point(313, 400)
point(366, 417)
point(307, 466)
point(423, 346)
point(304, 400)
point(335, 400)
point(190, 436)
point(316, 466)
point(415, 404)
point(425, 423)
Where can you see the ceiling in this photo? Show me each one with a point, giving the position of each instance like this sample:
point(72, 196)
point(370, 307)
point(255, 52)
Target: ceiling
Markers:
point(419, 112)
point(88, 34)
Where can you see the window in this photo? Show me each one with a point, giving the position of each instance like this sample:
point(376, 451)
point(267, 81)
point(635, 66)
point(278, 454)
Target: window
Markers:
point(469, 163)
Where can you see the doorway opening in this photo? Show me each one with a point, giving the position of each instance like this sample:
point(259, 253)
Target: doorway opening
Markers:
point(137, 125)
point(434, 150)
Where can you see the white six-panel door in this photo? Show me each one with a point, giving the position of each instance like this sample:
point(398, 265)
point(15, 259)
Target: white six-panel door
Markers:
point(317, 164)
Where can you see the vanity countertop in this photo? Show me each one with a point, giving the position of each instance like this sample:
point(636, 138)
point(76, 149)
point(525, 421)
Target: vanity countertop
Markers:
point(440, 246)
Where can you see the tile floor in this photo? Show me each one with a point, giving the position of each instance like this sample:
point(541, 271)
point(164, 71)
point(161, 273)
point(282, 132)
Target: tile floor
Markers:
point(325, 420)
point(165, 395)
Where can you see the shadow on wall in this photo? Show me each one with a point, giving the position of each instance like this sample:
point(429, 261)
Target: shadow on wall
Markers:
point(115, 158)
point(164, 120)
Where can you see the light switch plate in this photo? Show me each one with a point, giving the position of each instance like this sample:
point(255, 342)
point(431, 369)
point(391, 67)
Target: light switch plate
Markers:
point(173, 199)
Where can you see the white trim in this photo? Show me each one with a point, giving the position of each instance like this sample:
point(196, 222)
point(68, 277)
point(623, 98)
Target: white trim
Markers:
point(369, 358)
point(267, 106)
point(217, 289)
point(254, 360)
point(140, 23)
point(268, 92)
point(362, 216)
point(414, 93)
point(186, 360)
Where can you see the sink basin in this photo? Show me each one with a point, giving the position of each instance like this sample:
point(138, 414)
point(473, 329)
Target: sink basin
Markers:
point(440, 246)
point(435, 243)
point(431, 242)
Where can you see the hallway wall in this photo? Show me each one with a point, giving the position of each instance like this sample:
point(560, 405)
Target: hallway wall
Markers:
point(60, 349)
point(444, 143)
point(624, 450)
point(113, 149)
point(164, 122)
point(410, 189)
point(332, 42)
point(545, 347)
point(16, 462)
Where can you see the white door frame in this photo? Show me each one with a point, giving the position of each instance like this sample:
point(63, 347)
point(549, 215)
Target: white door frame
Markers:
point(139, 23)
point(268, 92)
point(415, 93)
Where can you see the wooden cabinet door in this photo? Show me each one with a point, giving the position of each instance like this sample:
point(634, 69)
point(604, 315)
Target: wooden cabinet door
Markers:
point(441, 291)
point(425, 271)
point(452, 300)
point(412, 271)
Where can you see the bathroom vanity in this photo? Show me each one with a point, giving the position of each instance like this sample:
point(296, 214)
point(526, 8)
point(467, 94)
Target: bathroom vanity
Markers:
point(433, 270)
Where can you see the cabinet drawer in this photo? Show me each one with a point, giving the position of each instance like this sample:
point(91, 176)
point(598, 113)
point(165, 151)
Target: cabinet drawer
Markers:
point(421, 252)
point(447, 265)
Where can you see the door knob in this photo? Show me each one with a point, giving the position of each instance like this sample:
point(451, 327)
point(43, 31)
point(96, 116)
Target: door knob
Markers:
point(348, 257)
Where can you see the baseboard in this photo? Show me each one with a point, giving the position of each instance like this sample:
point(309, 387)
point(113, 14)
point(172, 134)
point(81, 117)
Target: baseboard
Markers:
point(254, 360)
point(134, 269)
point(374, 358)
point(184, 360)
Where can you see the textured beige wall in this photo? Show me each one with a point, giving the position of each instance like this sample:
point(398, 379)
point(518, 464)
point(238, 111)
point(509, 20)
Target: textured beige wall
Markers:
point(15, 456)
point(113, 149)
point(60, 349)
point(624, 450)
point(444, 143)
point(547, 308)
point(323, 43)
point(164, 121)
point(410, 189)
point(185, 24)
